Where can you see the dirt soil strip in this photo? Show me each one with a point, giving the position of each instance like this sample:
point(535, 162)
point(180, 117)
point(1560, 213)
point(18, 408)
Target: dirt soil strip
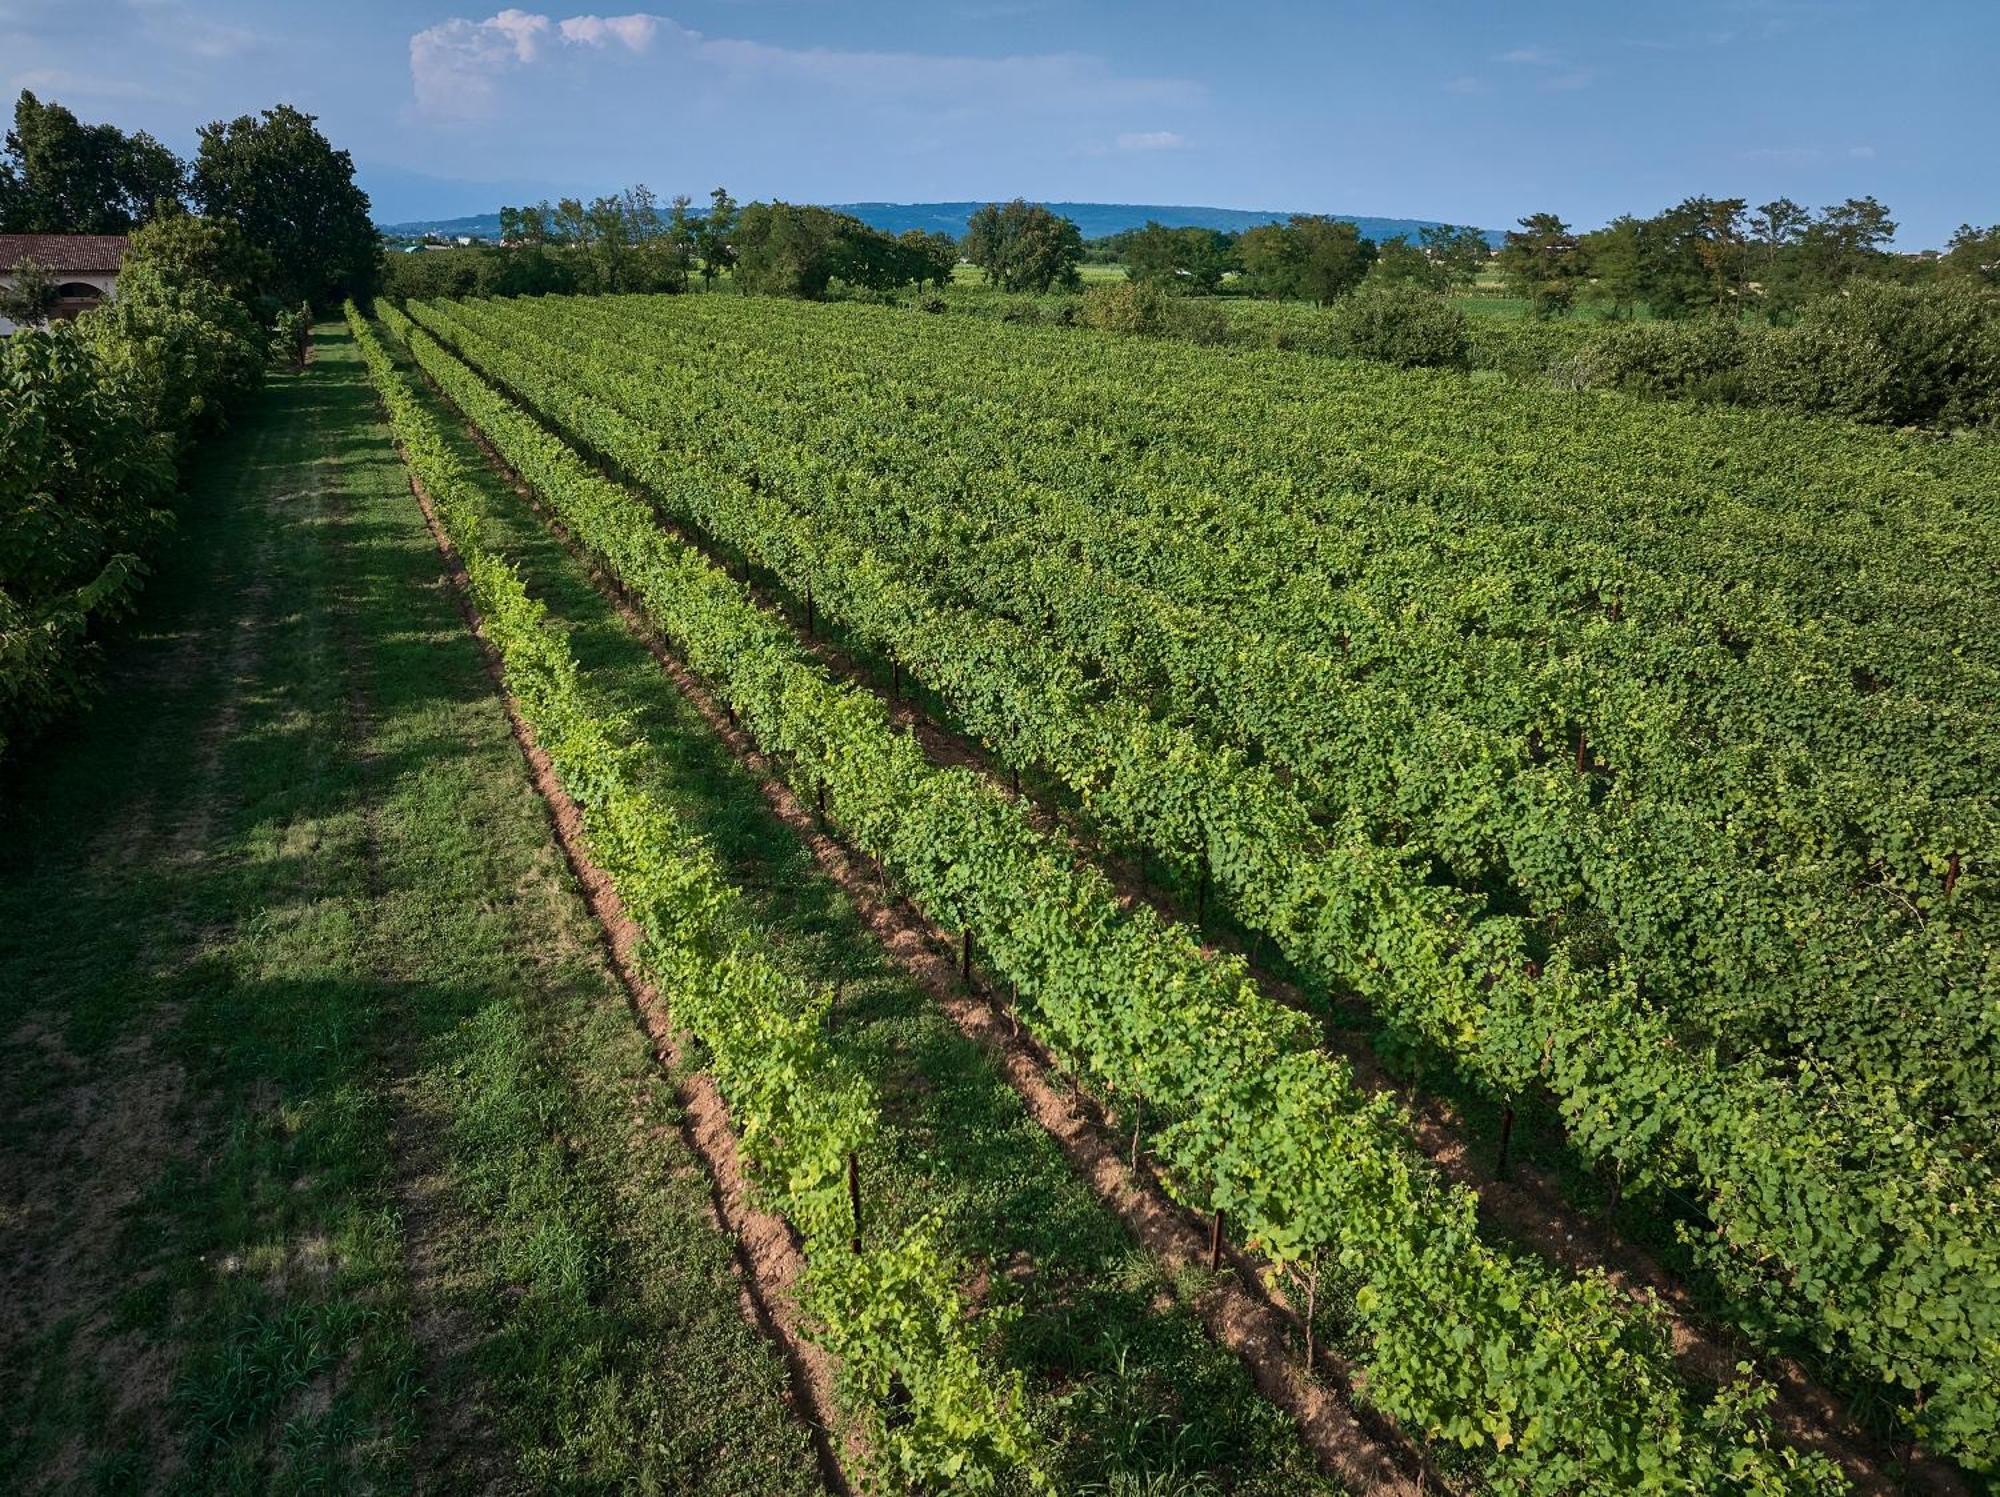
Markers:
point(769, 1257)
point(1529, 1207)
point(1351, 1442)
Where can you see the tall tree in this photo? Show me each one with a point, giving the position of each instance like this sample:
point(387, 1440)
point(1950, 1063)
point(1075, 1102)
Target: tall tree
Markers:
point(294, 197)
point(61, 176)
point(1022, 246)
point(1457, 253)
point(532, 226)
point(1693, 257)
point(1722, 246)
point(793, 249)
point(1308, 257)
point(1401, 263)
point(1776, 228)
point(32, 296)
point(1616, 255)
point(1848, 240)
point(1974, 255)
point(1544, 263)
point(929, 256)
point(1188, 259)
point(718, 231)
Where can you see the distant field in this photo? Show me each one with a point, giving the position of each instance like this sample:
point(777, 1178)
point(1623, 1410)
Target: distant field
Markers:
point(972, 275)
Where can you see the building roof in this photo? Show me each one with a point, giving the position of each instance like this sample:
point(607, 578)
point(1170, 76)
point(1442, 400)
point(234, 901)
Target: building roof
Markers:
point(76, 253)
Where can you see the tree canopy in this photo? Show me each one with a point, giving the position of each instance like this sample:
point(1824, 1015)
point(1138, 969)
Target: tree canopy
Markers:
point(61, 176)
point(1190, 259)
point(1022, 246)
point(1308, 257)
point(794, 249)
point(294, 197)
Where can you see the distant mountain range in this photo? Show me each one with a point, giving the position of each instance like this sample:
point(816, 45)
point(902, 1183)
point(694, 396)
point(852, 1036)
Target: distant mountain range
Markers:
point(1095, 219)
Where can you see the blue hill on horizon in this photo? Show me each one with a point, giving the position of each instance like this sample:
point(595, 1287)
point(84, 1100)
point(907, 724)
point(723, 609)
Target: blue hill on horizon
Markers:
point(1094, 219)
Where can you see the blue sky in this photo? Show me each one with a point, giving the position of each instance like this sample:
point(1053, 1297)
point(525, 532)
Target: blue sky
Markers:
point(1473, 113)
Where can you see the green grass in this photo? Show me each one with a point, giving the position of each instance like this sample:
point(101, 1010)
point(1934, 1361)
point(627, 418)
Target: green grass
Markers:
point(332, 1157)
point(1126, 1387)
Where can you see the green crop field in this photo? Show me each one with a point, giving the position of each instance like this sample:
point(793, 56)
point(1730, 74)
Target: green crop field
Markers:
point(725, 894)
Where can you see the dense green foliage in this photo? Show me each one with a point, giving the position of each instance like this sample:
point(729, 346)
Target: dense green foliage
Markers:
point(83, 484)
point(1247, 1115)
point(94, 415)
point(891, 1312)
point(784, 249)
point(1673, 1027)
point(1404, 324)
point(1306, 258)
point(61, 176)
point(1022, 246)
point(97, 412)
point(293, 195)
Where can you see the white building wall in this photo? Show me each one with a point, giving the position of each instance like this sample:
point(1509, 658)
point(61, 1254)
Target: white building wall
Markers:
point(105, 281)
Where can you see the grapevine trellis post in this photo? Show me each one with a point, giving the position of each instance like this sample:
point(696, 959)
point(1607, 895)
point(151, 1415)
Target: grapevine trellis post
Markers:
point(1215, 1242)
point(1312, 1307)
point(854, 1198)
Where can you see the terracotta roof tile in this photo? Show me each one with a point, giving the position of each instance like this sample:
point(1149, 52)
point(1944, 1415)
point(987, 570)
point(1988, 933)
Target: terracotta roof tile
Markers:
point(79, 253)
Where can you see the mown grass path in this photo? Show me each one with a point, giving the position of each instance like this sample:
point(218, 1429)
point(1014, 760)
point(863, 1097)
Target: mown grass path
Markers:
point(330, 1157)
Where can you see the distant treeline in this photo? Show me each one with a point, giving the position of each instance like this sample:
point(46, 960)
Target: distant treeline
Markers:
point(1720, 257)
point(1709, 299)
point(630, 241)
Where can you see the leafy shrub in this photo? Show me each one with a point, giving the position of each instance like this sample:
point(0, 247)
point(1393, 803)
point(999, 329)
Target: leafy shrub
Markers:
point(1528, 348)
point(185, 350)
point(291, 333)
point(1150, 310)
point(1697, 359)
point(1898, 355)
point(1405, 325)
point(81, 482)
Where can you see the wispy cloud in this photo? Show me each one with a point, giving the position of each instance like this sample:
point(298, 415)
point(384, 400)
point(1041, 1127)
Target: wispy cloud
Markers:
point(1466, 84)
point(1808, 155)
point(1151, 140)
point(1693, 43)
point(1566, 81)
point(635, 32)
point(176, 25)
point(456, 67)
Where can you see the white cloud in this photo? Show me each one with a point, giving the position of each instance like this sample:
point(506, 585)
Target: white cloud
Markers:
point(456, 65)
point(1151, 140)
point(1862, 153)
point(636, 32)
point(1567, 82)
point(524, 32)
point(1534, 57)
point(1466, 84)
